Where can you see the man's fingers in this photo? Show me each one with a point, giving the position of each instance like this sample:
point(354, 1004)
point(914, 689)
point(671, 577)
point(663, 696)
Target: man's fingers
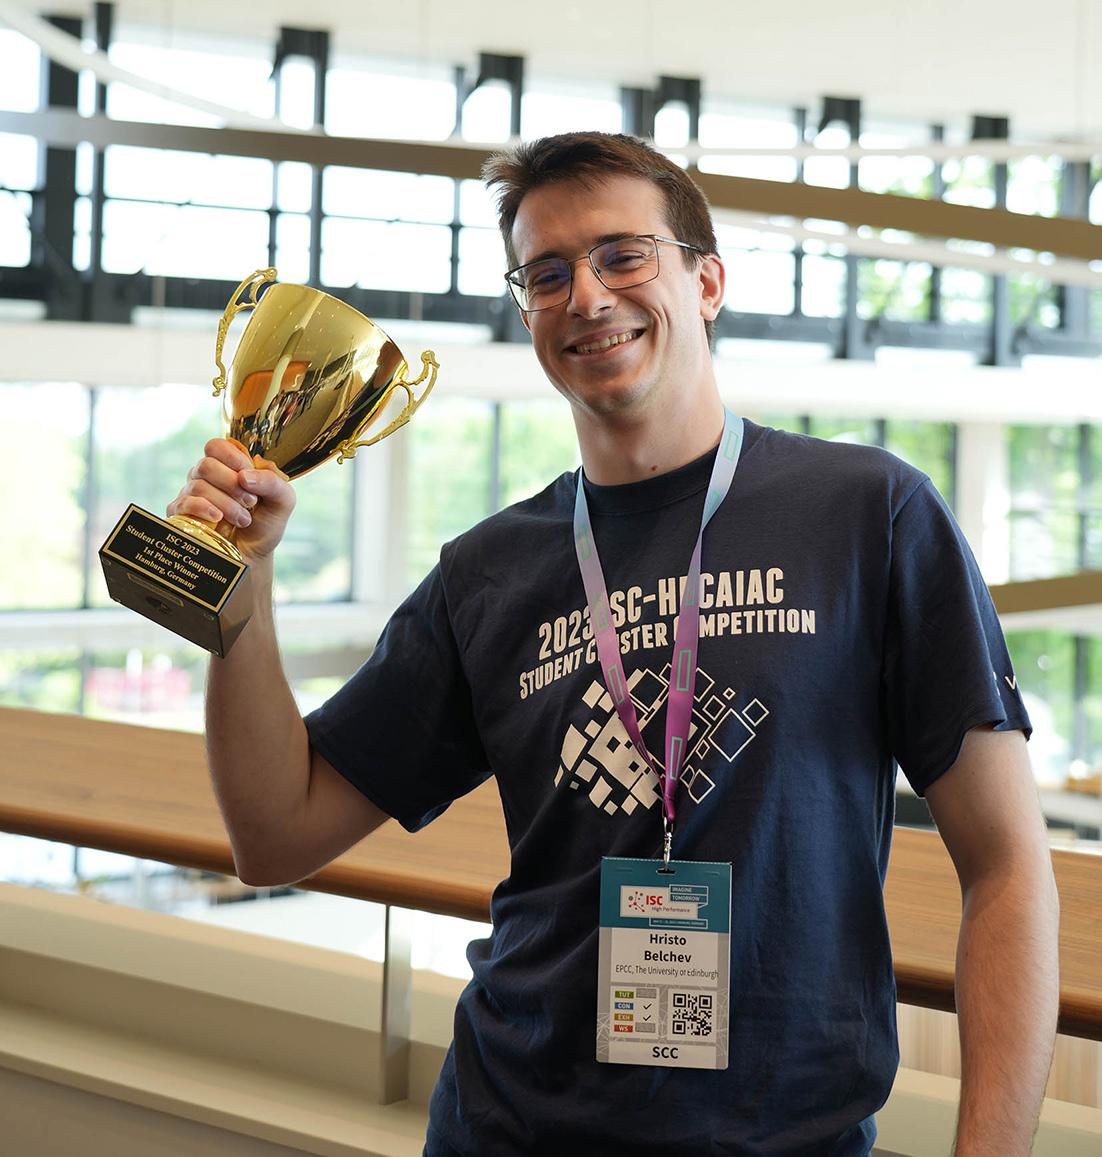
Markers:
point(200, 508)
point(222, 477)
point(228, 486)
point(268, 484)
point(229, 452)
point(215, 503)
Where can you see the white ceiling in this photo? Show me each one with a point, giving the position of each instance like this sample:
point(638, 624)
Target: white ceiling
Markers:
point(1038, 63)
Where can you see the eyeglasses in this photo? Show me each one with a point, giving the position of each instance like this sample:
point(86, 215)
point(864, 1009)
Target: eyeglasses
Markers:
point(618, 264)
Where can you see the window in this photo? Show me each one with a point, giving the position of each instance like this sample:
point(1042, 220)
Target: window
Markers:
point(1033, 186)
point(377, 255)
point(860, 431)
point(1044, 663)
point(242, 73)
point(373, 99)
point(966, 293)
point(19, 78)
point(42, 680)
point(160, 686)
point(1091, 705)
point(824, 281)
point(314, 561)
point(182, 177)
point(760, 268)
point(184, 241)
point(15, 230)
point(44, 437)
point(450, 478)
point(1045, 500)
point(902, 176)
point(538, 443)
point(563, 108)
point(481, 262)
point(727, 126)
point(18, 162)
point(19, 89)
point(145, 442)
point(832, 172)
point(929, 446)
point(385, 196)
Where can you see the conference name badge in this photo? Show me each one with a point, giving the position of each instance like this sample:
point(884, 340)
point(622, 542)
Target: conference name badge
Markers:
point(663, 973)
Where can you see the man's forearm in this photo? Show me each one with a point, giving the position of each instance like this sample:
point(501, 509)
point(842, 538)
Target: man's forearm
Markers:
point(1007, 995)
point(257, 746)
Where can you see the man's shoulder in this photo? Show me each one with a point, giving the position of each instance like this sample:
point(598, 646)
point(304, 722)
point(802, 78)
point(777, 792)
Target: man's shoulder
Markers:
point(797, 461)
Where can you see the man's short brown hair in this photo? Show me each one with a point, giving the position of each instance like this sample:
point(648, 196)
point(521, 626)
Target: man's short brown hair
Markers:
point(588, 159)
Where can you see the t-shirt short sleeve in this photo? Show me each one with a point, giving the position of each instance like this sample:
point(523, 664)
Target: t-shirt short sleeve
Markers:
point(402, 729)
point(946, 666)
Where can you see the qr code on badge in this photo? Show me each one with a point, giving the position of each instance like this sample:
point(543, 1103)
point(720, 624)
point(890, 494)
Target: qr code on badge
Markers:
point(691, 1013)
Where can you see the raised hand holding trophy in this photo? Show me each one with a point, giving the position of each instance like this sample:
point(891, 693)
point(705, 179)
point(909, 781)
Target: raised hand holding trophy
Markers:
point(309, 378)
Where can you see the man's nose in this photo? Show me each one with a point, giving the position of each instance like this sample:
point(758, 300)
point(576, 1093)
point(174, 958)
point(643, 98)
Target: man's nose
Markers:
point(589, 296)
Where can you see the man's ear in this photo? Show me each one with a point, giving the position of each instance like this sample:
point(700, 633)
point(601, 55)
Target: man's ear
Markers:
point(713, 280)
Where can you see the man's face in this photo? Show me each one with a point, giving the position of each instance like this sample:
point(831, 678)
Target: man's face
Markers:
point(659, 326)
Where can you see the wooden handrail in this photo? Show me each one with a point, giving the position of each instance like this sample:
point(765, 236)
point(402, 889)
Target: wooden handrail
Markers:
point(146, 792)
point(1080, 589)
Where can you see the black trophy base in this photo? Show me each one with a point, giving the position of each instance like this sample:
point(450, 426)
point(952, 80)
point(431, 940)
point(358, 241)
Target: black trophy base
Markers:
point(156, 569)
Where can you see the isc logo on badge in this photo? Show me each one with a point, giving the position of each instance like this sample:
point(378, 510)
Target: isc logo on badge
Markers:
point(643, 901)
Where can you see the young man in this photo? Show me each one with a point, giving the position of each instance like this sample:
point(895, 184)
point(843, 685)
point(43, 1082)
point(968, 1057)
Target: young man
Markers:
point(843, 624)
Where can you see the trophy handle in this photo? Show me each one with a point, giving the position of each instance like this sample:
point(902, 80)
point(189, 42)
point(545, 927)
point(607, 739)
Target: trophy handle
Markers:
point(253, 282)
point(429, 367)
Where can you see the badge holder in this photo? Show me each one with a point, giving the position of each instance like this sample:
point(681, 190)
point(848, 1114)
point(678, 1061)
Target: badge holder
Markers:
point(663, 974)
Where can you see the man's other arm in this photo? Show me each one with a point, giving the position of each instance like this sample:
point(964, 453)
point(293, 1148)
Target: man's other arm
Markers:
point(286, 810)
point(1007, 969)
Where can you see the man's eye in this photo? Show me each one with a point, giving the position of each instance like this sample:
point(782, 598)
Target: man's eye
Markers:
point(625, 258)
point(545, 279)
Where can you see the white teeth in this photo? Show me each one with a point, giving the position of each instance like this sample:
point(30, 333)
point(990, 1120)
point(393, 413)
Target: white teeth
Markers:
point(605, 343)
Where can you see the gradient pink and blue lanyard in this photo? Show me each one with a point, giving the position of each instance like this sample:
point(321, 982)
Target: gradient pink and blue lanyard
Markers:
point(679, 704)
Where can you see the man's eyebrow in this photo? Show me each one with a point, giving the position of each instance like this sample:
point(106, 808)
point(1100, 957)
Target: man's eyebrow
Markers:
point(605, 237)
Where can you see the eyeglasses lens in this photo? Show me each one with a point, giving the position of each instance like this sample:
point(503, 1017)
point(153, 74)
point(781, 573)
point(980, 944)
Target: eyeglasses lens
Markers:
point(543, 283)
point(628, 261)
point(619, 264)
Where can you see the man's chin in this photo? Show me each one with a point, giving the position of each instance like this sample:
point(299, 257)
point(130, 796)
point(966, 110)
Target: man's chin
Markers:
point(609, 399)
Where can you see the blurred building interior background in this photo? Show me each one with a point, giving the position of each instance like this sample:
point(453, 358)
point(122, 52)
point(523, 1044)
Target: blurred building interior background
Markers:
point(978, 362)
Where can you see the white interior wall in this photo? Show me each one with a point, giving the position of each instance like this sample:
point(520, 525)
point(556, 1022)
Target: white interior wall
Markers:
point(983, 495)
point(756, 377)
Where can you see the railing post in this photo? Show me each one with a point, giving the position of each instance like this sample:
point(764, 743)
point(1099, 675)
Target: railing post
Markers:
point(396, 1003)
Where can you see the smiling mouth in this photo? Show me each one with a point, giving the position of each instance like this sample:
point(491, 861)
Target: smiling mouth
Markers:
point(605, 343)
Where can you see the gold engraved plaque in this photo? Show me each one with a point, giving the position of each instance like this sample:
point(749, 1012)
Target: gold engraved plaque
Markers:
point(309, 381)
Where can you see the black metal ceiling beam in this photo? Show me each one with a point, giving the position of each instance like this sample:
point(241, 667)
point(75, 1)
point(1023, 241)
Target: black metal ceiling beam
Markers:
point(54, 203)
point(1002, 349)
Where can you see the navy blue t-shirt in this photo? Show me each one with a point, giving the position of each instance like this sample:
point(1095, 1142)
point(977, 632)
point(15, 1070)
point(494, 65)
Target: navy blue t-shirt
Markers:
point(844, 625)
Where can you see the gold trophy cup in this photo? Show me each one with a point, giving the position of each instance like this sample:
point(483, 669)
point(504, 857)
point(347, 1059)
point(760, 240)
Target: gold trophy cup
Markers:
point(310, 377)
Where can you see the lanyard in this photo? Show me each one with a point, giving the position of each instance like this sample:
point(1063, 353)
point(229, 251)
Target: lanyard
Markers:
point(679, 703)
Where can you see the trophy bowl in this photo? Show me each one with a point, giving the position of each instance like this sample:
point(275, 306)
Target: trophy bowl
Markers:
point(310, 376)
point(310, 380)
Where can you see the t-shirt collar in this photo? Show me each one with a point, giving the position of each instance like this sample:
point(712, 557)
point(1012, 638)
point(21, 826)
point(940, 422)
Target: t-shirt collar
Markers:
point(651, 493)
